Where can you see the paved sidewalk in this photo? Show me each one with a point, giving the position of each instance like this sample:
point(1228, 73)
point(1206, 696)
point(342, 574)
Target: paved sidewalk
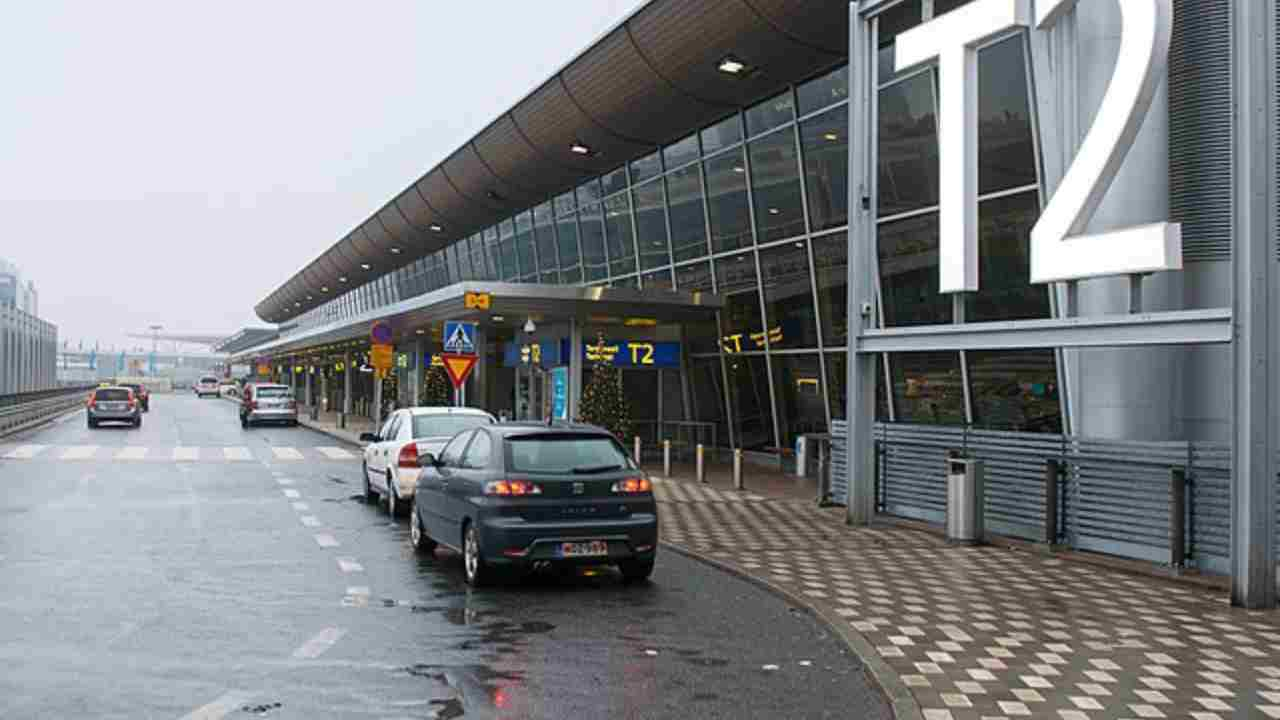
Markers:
point(994, 632)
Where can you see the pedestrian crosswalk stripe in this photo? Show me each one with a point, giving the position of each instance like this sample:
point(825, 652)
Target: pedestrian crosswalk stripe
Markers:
point(236, 453)
point(133, 452)
point(286, 453)
point(79, 452)
point(186, 454)
point(24, 452)
point(335, 453)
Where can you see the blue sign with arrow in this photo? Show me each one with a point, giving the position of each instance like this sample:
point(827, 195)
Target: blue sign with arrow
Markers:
point(459, 337)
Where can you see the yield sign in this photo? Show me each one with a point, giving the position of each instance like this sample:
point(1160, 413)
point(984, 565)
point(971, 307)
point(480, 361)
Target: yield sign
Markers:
point(458, 367)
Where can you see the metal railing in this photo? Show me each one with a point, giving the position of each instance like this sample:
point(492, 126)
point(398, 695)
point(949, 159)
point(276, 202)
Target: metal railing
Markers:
point(21, 409)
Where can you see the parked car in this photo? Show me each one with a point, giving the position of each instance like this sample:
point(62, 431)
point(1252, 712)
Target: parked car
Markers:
point(517, 496)
point(114, 404)
point(207, 385)
point(267, 402)
point(141, 393)
point(391, 457)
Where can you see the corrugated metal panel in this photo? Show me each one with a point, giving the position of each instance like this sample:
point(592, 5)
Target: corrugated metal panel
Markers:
point(839, 462)
point(1209, 507)
point(1200, 128)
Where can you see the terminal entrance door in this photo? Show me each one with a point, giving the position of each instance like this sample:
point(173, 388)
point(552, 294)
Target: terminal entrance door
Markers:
point(532, 393)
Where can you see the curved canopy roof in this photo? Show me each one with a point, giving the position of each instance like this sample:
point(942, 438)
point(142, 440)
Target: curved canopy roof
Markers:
point(647, 82)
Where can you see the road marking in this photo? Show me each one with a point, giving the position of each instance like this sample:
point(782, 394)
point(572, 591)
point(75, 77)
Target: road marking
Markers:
point(301, 506)
point(186, 454)
point(349, 565)
point(286, 453)
point(284, 481)
point(133, 452)
point(291, 494)
point(79, 452)
point(357, 596)
point(316, 646)
point(220, 708)
point(310, 521)
point(236, 453)
point(326, 540)
point(25, 452)
point(335, 453)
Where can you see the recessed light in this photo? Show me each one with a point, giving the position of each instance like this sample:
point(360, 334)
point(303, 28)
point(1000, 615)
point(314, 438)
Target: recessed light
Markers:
point(297, 304)
point(731, 65)
point(308, 297)
point(421, 331)
point(831, 136)
point(739, 169)
point(579, 149)
point(436, 227)
point(324, 289)
point(365, 266)
point(395, 251)
point(799, 244)
point(342, 279)
point(497, 318)
point(774, 211)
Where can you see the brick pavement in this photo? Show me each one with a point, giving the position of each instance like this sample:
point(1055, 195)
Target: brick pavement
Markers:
point(993, 632)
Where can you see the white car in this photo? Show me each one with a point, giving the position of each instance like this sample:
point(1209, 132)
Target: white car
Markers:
point(391, 456)
point(208, 385)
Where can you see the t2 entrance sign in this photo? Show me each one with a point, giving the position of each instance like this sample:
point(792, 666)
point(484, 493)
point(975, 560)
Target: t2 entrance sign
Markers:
point(1058, 249)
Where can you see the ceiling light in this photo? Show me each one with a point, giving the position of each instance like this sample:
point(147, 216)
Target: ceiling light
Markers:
point(436, 227)
point(497, 318)
point(731, 65)
point(342, 279)
point(395, 251)
point(831, 136)
point(739, 169)
point(324, 289)
point(579, 149)
point(799, 244)
point(421, 331)
point(774, 211)
point(365, 266)
point(308, 297)
point(297, 304)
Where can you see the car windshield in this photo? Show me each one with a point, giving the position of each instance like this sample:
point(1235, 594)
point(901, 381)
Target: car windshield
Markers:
point(565, 453)
point(112, 394)
point(272, 392)
point(446, 425)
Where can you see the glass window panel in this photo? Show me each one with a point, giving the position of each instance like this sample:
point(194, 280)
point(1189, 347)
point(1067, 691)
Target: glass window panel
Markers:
point(788, 296)
point(614, 181)
point(1004, 262)
point(727, 201)
point(493, 265)
point(544, 234)
point(451, 257)
point(659, 280)
point(567, 244)
point(524, 248)
point(694, 277)
point(927, 388)
point(892, 22)
point(707, 384)
point(738, 287)
point(837, 381)
point(622, 244)
point(826, 164)
point(672, 391)
point(591, 226)
point(589, 192)
point(775, 187)
point(831, 265)
point(688, 219)
point(722, 134)
point(941, 7)
point(823, 91)
point(1006, 154)
point(681, 152)
point(797, 380)
point(651, 226)
point(565, 204)
point(646, 167)
point(752, 411)
point(630, 281)
point(770, 114)
point(908, 146)
point(475, 245)
point(507, 248)
point(1015, 390)
point(908, 251)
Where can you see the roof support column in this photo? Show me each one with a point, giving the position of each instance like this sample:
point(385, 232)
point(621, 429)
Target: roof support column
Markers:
point(346, 386)
point(415, 373)
point(575, 366)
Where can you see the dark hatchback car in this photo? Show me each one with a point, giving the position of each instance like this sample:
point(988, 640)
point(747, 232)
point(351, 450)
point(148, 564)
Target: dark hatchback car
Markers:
point(518, 496)
point(141, 393)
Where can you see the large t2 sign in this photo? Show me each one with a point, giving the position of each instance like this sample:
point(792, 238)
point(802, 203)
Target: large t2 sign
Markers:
point(1059, 249)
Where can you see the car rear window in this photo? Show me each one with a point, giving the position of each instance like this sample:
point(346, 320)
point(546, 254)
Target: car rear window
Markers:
point(209, 381)
point(271, 392)
point(565, 453)
point(112, 394)
point(446, 425)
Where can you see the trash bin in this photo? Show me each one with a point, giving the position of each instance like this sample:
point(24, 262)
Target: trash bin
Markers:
point(965, 499)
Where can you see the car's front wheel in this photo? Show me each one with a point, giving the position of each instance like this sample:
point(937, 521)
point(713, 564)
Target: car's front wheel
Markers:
point(477, 572)
point(636, 571)
point(418, 533)
point(137, 422)
point(370, 495)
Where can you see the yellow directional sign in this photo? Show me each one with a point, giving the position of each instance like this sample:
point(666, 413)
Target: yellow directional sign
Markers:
point(381, 357)
point(477, 301)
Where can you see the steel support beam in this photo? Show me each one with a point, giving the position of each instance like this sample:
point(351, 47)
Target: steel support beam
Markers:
point(1183, 327)
point(1256, 418)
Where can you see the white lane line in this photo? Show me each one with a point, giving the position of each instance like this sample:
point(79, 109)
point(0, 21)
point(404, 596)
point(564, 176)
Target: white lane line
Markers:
point(357, 596)
point(25, 452)
point(316, 646)
point(284, 481)
point(291, 494)
point(301, 506)
point(349, 565)
point(221, 707)
point(325, 540)
point(286, 453)
point(186, 454)
point(335, 453)
point(236, 453)
point(79, 452)
point(310, 521)
point(133, 452)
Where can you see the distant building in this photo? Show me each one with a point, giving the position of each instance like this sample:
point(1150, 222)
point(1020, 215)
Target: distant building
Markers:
point(15, 293)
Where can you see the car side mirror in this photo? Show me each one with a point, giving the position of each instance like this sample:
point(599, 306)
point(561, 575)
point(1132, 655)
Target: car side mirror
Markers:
point(368, 437)
point(428, 460)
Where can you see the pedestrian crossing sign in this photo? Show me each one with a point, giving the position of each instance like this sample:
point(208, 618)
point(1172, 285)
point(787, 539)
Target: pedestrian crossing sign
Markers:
point(459, 337)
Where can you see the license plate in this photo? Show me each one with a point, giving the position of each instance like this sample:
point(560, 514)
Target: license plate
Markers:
point(593, 548)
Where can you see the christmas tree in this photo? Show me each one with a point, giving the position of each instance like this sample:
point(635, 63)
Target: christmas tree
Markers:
point(437, 391)
point(603, 402)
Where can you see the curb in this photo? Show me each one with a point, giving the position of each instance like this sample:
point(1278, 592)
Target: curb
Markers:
point(306, 423)
point(901, 702)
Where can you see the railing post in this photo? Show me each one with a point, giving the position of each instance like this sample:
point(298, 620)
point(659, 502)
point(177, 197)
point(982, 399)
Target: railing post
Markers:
point(666, 458)
point(1177, 517)
point(1052, 472)
point(737, 469)
point(699, 468)
point(877, 447)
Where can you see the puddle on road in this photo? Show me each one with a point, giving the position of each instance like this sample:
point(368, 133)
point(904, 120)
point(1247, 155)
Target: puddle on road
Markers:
point(476, 687)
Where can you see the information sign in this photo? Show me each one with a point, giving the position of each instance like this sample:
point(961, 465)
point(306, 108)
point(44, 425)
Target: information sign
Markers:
point(380, 333)
point(459, 337)
point(459, 367)
point(381, 357)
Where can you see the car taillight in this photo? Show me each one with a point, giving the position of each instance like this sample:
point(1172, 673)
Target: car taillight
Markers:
point(512, 487)
point(408, 456)
point(632, 486)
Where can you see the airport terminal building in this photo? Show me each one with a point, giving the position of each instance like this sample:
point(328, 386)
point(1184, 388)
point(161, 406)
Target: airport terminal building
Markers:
point(748, 162)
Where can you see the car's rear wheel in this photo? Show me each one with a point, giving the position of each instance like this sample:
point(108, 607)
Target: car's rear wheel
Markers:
point(370, 495)
point(93, 424)
point(395, 508)
point(137, 422)
point(635, 571)
point(418, 534)
point(476, 571)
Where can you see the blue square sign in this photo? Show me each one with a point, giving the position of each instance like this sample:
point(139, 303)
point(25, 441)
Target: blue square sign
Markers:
point(459, 337)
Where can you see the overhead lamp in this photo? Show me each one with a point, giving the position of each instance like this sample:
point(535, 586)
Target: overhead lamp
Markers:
point(579, 149)
point(342, 279)
point(529, 327)
point(395, 251)
point(308, 297)
point(365, 266)
point(831, 136)
point(739, 169)
point(497, 318)
point(774, 211)
point(421, 331)
point(324, 289)
point(297, 304)
point(436, 227)
point(731, 65)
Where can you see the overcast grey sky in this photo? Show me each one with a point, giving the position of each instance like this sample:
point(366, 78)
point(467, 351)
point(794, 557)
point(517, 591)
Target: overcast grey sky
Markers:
point(173, 162)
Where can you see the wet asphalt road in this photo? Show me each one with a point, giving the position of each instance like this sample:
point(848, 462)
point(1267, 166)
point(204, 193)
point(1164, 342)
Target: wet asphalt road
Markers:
point(192, 569)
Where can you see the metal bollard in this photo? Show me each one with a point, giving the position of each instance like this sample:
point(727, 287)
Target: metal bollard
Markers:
point(666, 458)
point(737, 469)
point(700, 470)
point(635, 452)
